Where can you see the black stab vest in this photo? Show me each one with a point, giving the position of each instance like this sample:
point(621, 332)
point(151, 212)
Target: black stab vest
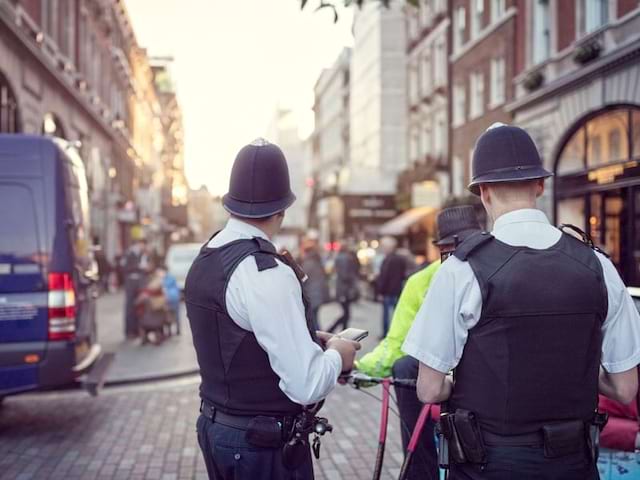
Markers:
point(534, 356)
point(236, 375)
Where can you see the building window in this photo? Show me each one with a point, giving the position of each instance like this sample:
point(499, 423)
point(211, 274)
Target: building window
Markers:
point(498, 8)
point(541, 42)
point(476, 92)
point(439, 6)
point(477, 14)
point(439, 63)
point(497, 81)
point(460, 24)
point(8, 108)
point(425, 75)
point(68, 28)
point(49, 9)
point(439, 135)
point(457, 176)
point(425, 14)
point(592, 14)
point(459, 101)
point(603, 139)
point(413, 84)
point(427, 141)
point(412, 21)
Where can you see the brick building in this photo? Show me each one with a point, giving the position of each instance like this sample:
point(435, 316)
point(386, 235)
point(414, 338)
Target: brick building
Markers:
point(576, 90)
point(483, 52)
point(72, 68)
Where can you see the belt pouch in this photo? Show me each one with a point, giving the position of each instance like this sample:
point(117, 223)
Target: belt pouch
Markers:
point(265, 432)
point(456, 452)
point(470, 436)
point(562, 439)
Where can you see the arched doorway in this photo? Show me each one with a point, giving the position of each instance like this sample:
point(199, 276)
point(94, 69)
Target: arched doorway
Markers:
point(597, 184)
point(9, 114)
point(52, 126)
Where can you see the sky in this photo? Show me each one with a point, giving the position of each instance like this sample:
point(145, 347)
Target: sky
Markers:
point(235, 63)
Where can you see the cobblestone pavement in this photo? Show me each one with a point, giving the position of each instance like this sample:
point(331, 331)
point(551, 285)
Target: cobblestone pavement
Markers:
point(147, 431)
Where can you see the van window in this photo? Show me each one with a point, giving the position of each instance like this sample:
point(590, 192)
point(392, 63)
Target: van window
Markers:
point(18, 228)
point(79, 199)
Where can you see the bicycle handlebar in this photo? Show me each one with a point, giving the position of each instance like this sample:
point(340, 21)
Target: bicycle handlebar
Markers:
point(358, 379)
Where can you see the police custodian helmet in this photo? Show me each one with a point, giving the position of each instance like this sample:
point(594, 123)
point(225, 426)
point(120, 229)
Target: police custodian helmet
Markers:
point(259, 185)
point(505, 153)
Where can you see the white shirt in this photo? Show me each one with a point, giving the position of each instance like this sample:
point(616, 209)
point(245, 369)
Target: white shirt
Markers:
point(269, 304)
point(453, 303)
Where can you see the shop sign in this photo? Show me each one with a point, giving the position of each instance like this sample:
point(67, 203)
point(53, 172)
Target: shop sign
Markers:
point(378, 207)
point(426, 194)
point(608, 174)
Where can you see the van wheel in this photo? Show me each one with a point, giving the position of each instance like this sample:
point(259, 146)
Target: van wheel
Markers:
point(1, 400)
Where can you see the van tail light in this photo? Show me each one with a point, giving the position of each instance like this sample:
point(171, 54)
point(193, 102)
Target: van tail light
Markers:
point(62, 307)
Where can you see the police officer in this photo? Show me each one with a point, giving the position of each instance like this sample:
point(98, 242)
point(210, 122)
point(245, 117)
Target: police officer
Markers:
point(260, 361)
point(535, 323)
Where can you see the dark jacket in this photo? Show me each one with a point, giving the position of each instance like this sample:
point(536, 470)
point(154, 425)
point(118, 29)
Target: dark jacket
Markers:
point(392, 275)
point(347, 270)
point(316, 288)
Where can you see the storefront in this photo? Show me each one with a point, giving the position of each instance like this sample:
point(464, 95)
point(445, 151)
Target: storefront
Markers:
point(597, 183)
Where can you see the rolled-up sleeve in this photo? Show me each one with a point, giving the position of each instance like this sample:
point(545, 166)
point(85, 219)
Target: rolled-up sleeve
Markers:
point(452, 306)
point(621, 329)
point(275, 312)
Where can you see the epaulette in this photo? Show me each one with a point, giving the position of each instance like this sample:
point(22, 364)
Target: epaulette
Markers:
point(472, 243)
point(266, 256)
point(584, 237)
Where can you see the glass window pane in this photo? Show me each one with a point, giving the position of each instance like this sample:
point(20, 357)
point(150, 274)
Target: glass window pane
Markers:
point(636, 132)
point(595, 220)
point(572, 157)
point(608, 138)
point(571, 211)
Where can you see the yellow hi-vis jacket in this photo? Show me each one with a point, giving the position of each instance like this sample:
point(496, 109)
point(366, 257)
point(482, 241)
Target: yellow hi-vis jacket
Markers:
point(379, 361)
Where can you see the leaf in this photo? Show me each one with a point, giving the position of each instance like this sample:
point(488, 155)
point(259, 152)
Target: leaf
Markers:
point(303, 3)
point(415, 3)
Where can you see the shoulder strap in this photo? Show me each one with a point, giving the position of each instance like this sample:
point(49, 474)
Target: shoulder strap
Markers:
point(471, 244)
point(583, 236)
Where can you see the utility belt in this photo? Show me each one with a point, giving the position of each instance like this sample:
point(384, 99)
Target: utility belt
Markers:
point(290, 433)
point(462, 440)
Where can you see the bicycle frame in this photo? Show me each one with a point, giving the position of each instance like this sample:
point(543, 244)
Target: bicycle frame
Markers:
point(384, 420)
point(425, 414)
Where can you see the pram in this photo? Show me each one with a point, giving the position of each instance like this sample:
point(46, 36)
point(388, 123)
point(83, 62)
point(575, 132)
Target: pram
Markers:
point(155, 316)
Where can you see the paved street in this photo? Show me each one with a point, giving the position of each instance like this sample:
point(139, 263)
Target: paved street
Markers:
point(147, 430)
point(134, 361)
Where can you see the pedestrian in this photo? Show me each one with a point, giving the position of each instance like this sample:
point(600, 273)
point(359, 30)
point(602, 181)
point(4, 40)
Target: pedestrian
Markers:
point(317, 286)
point(135, 268)
point(392, 275)
point(172, 294)
point(387, 359)
point(260, 359)
point(347, 269)
point(534, 321)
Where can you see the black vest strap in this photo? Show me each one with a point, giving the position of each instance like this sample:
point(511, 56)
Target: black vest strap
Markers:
point(472, 243)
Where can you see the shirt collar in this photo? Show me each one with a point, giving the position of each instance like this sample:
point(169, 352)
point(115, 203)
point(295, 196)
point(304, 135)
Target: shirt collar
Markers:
point(525, 215)
point(245, 229)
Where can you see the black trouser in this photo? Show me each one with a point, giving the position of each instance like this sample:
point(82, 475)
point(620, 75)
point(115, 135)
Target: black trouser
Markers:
point(527, 463)
point(424, 464)
point(228, 456)
point(132, 286)
point(343, 320)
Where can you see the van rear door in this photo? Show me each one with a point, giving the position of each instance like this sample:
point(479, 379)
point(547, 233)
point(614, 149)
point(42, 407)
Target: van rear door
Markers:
point(23, 266)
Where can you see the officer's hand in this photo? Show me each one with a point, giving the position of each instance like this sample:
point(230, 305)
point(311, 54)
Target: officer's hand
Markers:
point(347, 350)
point(324, 337)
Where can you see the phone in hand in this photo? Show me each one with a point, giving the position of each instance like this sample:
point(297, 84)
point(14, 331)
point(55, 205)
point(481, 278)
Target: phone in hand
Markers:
point(355, 334)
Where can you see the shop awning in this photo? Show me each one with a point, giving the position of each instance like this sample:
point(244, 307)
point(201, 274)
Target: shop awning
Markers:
point(401, 224)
